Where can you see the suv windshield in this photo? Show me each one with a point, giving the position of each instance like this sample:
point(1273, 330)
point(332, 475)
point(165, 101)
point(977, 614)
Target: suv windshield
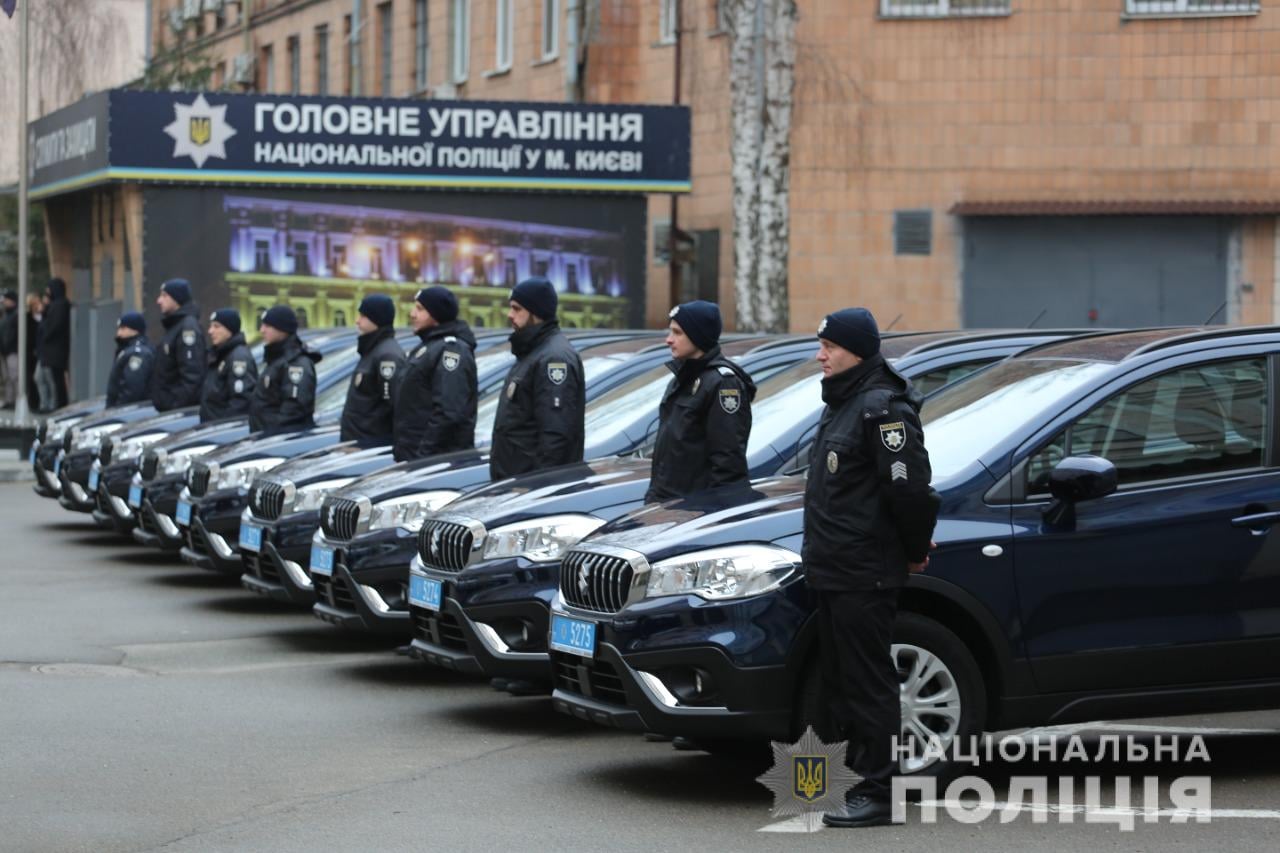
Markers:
point(782, 401)
point(964, 421)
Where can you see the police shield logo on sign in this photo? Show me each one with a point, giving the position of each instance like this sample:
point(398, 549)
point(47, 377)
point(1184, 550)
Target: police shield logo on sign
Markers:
point(200, 129)
point(557, 371)
point(893, 436)
point(730, 399)
point(451, 361)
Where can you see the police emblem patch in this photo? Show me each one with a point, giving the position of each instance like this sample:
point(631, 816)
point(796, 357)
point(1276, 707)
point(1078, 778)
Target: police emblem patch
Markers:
point(808, 777)
point(893, 436)
point(557, 371)
point(239, 368)
point(730, 400)
point(295, 375)
point(189, 337)
point(833, 461)
point(135, 362)
point(239, 386)
point(387, 369)
point(451, 360)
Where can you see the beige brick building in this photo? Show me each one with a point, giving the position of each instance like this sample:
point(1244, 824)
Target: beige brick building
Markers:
point(978, 162)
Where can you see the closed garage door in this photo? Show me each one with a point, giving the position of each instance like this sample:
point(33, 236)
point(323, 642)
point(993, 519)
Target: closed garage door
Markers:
point(1130, 271)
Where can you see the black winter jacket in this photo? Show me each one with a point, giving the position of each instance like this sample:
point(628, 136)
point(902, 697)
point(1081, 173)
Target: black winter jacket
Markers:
point(868, 506)
point(704, 424)
point(436, 394)
point(130, 377)
point(9, 332)
point(543, 405)
point(368, 415)
point(181, 363)
point(230, 380)
point(55, 329)
point(285, 396)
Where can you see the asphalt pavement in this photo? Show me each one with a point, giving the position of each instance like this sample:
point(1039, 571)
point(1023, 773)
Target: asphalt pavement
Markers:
point(147, 705)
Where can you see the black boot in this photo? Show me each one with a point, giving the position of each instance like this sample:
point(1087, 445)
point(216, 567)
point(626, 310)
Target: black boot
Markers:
point(861, 810)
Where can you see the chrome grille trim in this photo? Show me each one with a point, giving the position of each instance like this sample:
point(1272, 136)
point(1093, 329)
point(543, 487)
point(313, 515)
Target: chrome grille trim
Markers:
point(449, 543)
point(603, 578)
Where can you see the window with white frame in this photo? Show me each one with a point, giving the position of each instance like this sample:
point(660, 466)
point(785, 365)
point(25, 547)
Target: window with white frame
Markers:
point(943, 8)
point(460, 40)
point(1192, 7)
point(550, 28)
point(421, 45)
point(502, 36)
point(667, 23)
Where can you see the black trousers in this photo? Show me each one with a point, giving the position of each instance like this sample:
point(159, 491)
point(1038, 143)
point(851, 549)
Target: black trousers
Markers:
point(860, 680)
point(60, 387)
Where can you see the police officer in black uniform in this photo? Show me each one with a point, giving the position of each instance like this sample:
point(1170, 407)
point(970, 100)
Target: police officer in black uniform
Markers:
point(178, 377)
point(869, 514)
point(233, 374)
point(369, 413)
point(436, 390)
point(540, 420)
point(285, 396)
point(130, 377)
point(705, 416)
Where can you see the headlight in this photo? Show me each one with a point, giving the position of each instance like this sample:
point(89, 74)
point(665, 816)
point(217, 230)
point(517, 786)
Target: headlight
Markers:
point(735, 571)
point(57, 429)
point(539, 539)
point(180, 460)
point(88, 439)
point(239, 475)
point(409, 511)
point(310, 497)
point(130, 448)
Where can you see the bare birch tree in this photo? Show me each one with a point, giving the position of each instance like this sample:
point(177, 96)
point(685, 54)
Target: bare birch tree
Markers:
point(72, 41)
point(762, 58)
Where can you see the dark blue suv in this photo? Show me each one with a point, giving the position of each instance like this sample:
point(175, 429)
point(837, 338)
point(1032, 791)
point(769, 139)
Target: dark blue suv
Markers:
point(1105, 549)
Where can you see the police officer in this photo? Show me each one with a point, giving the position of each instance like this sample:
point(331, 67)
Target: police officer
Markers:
point(130, 377)
point(233, 374)
point(369, 412)
point(285, 396)
point(178, 377)
point(705, 416)
point(868, 517)
point(436, 390)
point(543, 404)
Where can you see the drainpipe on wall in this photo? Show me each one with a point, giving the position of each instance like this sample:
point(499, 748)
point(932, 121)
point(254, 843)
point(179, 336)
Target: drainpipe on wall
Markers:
point(356, 26)
point(246, 12)
point(673, 240)
point(572, 51)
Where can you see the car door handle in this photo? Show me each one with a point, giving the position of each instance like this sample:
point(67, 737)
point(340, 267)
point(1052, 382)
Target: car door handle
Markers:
point(1258, 523)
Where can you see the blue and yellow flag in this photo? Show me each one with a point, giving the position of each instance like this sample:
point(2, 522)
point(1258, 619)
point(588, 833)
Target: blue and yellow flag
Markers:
point(8, 6)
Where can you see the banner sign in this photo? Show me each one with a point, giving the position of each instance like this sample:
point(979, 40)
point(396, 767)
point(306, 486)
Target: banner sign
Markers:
point(320, 141)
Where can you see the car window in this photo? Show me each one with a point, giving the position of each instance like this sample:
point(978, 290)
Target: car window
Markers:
point(927, 383)
point(1198, 420)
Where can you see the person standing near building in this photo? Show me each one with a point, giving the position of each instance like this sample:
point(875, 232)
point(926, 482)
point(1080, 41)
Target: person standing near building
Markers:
point(54, 351)
point(368, 417)
point(436, 391)
point(869, 513)
point(181, 362)
point(232, 373)
point(9, 349)
point(541, 413)
point(704, 419)
point(35, 313)
point(130, 377)
point(285, 396)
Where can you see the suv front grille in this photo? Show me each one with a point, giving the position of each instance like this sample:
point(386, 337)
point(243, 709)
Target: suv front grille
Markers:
point(340, 518)
point(267, 500)
point(439, 629)
point(446, 545)
point(592, 679)
point(596, 581)
point(198, 485)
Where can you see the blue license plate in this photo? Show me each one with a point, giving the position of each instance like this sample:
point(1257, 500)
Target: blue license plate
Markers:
point(183, 515)
point(425, 592)
point(135, 496)
point(31, 459)
point(93, 481)
point(321, 560)
point(250, 537)
point(573, 636)
point(57, 465)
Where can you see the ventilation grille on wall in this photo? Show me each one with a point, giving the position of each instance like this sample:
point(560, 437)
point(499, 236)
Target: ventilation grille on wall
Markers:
point(913, 232)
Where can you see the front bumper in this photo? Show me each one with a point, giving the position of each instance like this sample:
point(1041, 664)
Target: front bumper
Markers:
point(213, 537)
point(112, 498)
point(157, 529)
point(279, 570)
point(73, 482)
point(47, 484)
point(368, 590)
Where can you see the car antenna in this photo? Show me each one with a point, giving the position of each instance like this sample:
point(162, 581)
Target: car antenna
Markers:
point(889, 328)
point(1032, 324)
point(1214, 314)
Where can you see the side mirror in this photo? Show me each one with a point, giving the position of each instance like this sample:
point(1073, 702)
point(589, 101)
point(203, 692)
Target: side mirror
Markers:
point(1074, 479)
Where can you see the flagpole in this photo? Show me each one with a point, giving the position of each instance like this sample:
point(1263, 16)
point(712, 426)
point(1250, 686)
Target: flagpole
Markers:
point(20, 403)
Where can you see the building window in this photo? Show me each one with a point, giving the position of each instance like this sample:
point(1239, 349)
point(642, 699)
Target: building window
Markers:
point(942, 8)
point(347, 58)
point(294, 49)
point(261, 256)
point(1173, 8)
point(460, 40)
point(268, 66)
point(502, 36)
point(384, 48)
point(550, 28)
point(421, 45)
point(322, 59)
point(667, 23)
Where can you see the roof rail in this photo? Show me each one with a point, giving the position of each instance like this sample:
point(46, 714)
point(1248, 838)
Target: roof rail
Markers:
point(1204, 334)
point(1002, 334)
point(1101, 333)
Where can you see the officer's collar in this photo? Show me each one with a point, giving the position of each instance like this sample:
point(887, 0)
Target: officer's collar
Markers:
point(687, 368)
point(369, 340)
point(228, 345)
point(526, 340)
point(843, 385)
point(282, 349)
point(177, 315)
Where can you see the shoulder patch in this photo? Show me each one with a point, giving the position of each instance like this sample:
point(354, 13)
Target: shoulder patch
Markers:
point(189, 337)
point(557, 371)
point(451, 360)
point(295, 375)
point(135, 362)
point(730, 400)
point(239, 368)
point(387, 369)
point(893, 436)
